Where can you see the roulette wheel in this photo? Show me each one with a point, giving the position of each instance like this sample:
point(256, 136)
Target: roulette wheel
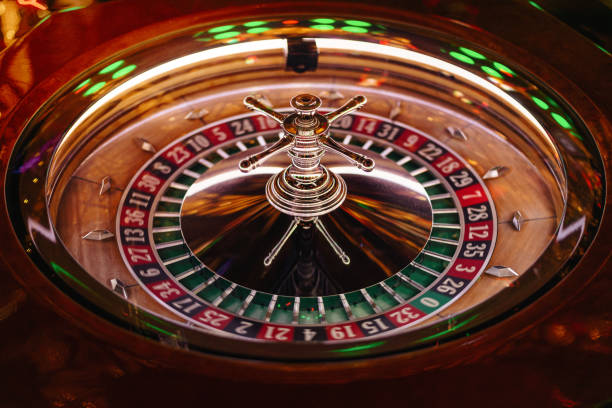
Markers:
point(265, 193)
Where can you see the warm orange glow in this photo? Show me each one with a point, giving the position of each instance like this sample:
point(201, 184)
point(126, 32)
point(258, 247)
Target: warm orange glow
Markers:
point(369, 81)
point(33, 3)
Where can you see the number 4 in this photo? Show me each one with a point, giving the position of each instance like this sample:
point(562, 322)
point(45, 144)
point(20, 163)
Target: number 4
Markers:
point(309, 334)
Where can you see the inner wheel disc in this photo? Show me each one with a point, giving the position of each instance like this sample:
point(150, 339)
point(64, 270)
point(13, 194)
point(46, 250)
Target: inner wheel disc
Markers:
point(226, 209)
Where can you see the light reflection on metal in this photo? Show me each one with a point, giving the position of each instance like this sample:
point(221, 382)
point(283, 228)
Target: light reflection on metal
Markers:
point(279, 245)
point(517, 220)
point(576, 226)
point(46, 232)
point(332, 243)
point(306, 189)
point(119, 287)
point(455, 327)
point(231, 174)
point(145, 145)
point(501, 271)
point(360, 348)
point(105, 185)
point(456, 133)
point(196, 114)
point(408, 183)
point(332, 95)
point(98, 235)
point(495, 172)
point(226, 176)
point(60, 270)
point(396, 110)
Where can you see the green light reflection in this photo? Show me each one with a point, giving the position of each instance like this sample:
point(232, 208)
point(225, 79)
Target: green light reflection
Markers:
point(359, 348)
point(472, 53)
point(536, 5)
point(552, 102)
point(94, 88)
point(228, 34)
point(42, 20)
point(322, 27)
point(576, 135)
point(540, 103)
point(111, 67)
point(353, 29)
point(358, 23)
point(323, 20)
point(501, 67)
point(257, 30)
point(602, 48)
point(254, 23)
point(221, 29)
point(561, 120)
point(491, 71)
point(442, 333)
point(70, 9)
point(59, 269)
point(461, 57)
point(124, 71)
point(159, 329)
point(82, 84)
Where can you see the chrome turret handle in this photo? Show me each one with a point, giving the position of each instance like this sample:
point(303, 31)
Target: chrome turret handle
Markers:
point(306, 133)
point(306, 189)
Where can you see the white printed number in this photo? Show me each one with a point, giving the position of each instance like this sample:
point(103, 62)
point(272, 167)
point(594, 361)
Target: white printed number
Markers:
point(277, 333)
point(213, 318)
point(342, 332)
point(404, 315)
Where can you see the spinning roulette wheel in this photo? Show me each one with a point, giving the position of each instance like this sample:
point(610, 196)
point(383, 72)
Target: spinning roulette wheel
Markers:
point(277, 194)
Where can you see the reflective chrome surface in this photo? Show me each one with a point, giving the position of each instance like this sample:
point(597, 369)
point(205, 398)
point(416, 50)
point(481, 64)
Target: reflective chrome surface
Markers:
point(306, 188)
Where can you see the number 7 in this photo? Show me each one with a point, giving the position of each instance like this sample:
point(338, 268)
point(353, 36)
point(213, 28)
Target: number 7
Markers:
point(476, 194)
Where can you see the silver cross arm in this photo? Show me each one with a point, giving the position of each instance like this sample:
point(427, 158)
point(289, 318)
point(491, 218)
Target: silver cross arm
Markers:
point(363, 162)
point(254, 161)
point(296, 131)
point(254, 104)
point(354, 103)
